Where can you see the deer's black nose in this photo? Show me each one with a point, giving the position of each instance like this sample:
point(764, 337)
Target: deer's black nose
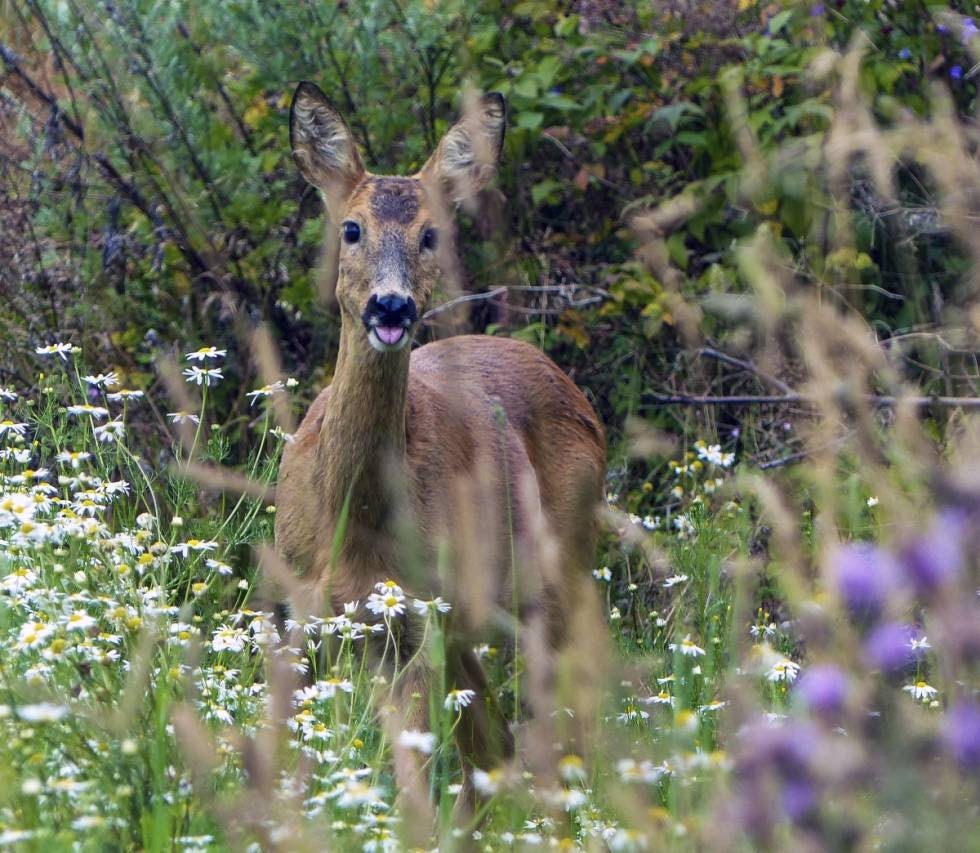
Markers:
point(390, 310)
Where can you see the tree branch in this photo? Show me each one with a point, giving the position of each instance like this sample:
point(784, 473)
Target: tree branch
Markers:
point(874, 400)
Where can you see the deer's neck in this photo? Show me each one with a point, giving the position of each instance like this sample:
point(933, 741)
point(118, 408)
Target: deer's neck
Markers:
point(362, 440)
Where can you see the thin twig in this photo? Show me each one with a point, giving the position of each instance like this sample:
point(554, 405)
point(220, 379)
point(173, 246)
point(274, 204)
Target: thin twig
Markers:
point(746, 365)
point(877, 401)
point(559, 290)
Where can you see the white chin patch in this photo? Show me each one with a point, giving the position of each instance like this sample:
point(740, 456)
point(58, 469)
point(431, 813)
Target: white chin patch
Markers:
point(389, 339)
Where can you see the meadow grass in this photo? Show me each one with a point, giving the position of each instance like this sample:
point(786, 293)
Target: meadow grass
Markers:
point(152, 700)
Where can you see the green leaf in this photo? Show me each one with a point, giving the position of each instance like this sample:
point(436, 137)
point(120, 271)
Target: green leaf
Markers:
point(544, 190)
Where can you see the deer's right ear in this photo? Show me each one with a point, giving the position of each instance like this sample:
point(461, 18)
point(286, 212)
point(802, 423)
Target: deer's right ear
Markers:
point(322, 144)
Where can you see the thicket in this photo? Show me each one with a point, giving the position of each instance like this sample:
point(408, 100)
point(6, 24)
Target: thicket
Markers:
point(746, 229)
point(150, 201)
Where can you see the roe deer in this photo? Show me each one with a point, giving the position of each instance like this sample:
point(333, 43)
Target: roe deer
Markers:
point(469, 434)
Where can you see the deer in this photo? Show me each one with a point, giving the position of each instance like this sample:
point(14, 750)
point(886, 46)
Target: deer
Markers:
point(466, 433)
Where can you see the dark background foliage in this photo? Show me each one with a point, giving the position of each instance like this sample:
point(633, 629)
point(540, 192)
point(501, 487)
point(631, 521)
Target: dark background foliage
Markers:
point(150, 202)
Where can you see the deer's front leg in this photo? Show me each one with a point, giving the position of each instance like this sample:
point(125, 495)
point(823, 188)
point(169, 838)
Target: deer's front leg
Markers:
point(411, 714)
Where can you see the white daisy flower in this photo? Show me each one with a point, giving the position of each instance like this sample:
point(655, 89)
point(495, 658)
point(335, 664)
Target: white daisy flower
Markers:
point(921, 691)
point(205, 353)
point(103, 380)
point(60, 349)
point(183, 417)
point(423, 742)
point(456, 700)
point(265, 391)
point(687, 647)
point(203, 375)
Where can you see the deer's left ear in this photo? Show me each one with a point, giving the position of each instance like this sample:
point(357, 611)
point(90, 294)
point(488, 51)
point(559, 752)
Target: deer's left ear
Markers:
point(466, 159)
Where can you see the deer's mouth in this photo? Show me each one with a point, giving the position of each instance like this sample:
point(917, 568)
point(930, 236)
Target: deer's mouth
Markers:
point(387, 320)
point(389, 335)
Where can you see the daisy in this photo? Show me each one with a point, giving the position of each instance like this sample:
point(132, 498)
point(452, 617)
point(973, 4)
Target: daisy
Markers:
point(205, 353)
point(203, 375)
point(108, 433)
point(96, 412)
point(435, 605)
point(489, 782)
point(921, 691)
point(8, 394)
point(42, 712)
point(73, 457)
point(60, 349)
point(602, 574)
point(183, 417)
point(456, 700)
point(688, 648)
point(33, 634)
point(673, 580)
point(103, 380)
point(124, 394)
point(219, 567)
point(385, 605)
point(423, 742)
point(11, 426)
point(183, 548)
point(265, 391)
point(79, 621)
point(229, 639)
point(919, 644)
point(662, 698)
point(784, 670)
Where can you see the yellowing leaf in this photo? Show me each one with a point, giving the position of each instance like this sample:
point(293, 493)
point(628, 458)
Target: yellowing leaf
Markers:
point(256, 111)
point(768, 208)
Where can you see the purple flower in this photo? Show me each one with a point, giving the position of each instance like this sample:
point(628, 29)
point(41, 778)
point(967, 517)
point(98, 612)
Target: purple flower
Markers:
point(887, 648)
point(799, 799)
point(956, 72)
point(942, 28)
point(864, 575)
point(961, 733)
point(969, 30)
point(905, 53)
point(935, 558)
point(816, 10)
point(824, 688)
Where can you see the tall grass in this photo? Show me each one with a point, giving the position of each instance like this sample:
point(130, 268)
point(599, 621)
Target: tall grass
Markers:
point(795, 650)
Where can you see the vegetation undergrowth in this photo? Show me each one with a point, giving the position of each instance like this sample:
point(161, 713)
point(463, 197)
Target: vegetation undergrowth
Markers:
point(756, 253)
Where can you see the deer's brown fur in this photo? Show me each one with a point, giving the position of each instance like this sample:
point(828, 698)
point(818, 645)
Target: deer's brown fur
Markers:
point(478, 443)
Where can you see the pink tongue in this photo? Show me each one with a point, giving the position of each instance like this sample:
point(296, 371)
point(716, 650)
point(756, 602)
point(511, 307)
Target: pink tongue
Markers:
point(389, 334)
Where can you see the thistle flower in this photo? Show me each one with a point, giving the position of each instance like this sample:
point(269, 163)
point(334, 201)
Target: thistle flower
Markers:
point(887, 648)
point(960, 733)
point(935, 558)
point(864, 576)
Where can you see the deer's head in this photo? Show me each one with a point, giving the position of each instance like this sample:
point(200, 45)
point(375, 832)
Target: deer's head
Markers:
point(388, 228)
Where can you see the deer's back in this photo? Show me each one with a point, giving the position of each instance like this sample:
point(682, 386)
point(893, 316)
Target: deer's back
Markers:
point(556, 424)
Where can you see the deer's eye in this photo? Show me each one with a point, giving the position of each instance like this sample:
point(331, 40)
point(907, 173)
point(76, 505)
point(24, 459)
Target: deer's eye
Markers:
point(429, 239)
point(351, 232)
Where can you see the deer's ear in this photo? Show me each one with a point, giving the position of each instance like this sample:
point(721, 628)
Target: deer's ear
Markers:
point(322, 144)
point(466, 159)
